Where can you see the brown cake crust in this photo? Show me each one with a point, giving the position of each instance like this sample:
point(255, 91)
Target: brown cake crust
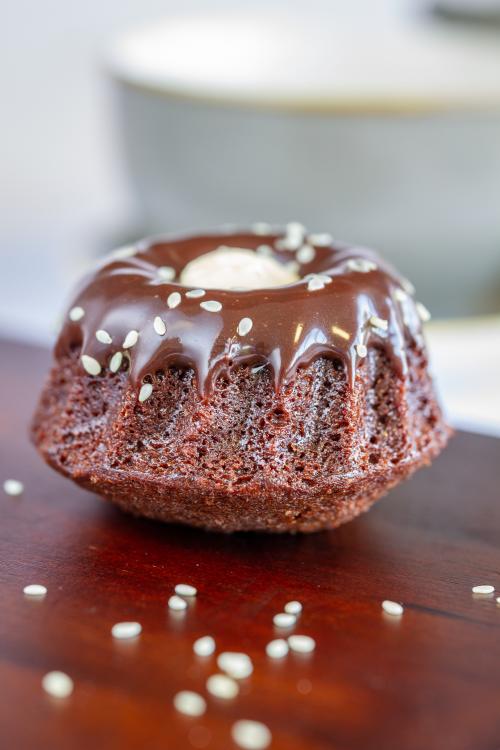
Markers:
point(311, 456)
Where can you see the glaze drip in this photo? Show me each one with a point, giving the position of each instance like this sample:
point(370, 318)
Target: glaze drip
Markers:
point(347, 299)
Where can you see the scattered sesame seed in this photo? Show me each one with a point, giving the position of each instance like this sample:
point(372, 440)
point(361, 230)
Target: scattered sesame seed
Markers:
point(123, 630)
point(377, 322)
point(423, 312)
point(124, 252)
point(76, 313)
point(305, 254)
point(261, 227)
point(204, 646)
point(483, 589)
point(173, 300)
point(90, 365)
point(115, 362)
point(57, 684)
point(302, 644)
point(166, 273)
point(190, 703)
point(361, 350)
point(176, 603)
point(184, 589)
point(251, 735)
point(277, 649)
point(498, 600)
point(265, 250)
point(400, 295)
point(314, 284)
point(103, 337)
point(145, 392)
point(284, 620)
point(244, 326)
point(222, 686)
point(35, 589)
point(322, 239)
point(293, 608)
point(195, 293)
point(130, 339)
point(13, 487)
point(295, 229)
point(235, 664)
point(392, 608)
point(408, 286)
point(361, 265)
point(159, 326)
point(211, 305)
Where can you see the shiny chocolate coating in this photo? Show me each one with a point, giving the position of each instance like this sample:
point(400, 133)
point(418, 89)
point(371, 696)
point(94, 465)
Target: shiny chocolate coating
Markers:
point(346, 301)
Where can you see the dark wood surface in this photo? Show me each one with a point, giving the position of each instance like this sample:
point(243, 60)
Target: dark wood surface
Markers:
point(428, 681)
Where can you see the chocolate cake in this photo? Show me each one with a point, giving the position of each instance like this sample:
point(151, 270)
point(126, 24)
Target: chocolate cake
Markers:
point(233, 404)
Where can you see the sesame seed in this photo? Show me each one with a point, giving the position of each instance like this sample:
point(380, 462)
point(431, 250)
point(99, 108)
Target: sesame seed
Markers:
point(244, 326)
point(322, 239)
point(195, 293)
point(400, 295)
point(124, 252)
point(377, 322)
point(222, 686)
point(211, 305)
point(166, 273)
point(123, 630)
point(204, 646)
point(408, 286)
point(261, 227)
point(295, 229)
point(76, 313)
point(301, 644)
point(423, 312)
point(293, 608)
point(103, 337)
point(176, 603)
point(264, 250)
point(306, 254)
point(57, 684)
point(90, 365)
point(145, 392)
point(361, 350)
point(277, 649)
point(483, 589)
point(235, 664)
point(314, 284)
point(251, 735)
point(13, 487)
point(190, 703)
point(173, 300)
point(115, 361)
point(284, 620)
point(130, 339)
point(498, 600)
point(392, 608)
point(159, 326)
point(361, 265)
point(35, 589)
point(184, 589)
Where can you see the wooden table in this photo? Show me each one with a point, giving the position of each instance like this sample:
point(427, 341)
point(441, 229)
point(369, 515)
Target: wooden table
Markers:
point(430, 680)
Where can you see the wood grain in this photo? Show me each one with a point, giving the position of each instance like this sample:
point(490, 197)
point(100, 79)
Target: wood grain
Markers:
point(430, 680)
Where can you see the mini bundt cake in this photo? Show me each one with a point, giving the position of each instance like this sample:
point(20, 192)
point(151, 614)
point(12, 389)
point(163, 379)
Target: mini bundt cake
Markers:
point(258, 380)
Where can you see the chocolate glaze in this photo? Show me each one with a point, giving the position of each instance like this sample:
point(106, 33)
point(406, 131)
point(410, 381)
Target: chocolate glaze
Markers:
point(291, 325)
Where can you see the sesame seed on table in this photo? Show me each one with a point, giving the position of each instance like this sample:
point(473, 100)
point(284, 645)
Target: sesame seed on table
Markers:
point(367, 679)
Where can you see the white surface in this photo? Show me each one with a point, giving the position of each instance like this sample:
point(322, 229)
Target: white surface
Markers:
point(381, 52)
point(465, 360)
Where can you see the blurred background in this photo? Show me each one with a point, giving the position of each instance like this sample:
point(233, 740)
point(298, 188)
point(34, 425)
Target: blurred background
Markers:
point(375, 120)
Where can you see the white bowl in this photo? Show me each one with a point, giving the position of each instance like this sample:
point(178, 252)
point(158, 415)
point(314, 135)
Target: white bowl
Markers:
point(381, 128)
